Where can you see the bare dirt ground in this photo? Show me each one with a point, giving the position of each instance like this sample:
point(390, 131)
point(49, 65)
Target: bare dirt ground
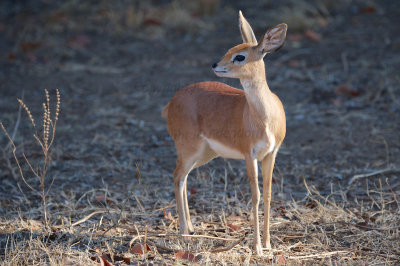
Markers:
point(336, 181)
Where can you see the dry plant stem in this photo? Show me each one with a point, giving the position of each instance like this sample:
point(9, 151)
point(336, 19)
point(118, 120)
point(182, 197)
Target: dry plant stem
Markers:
point(228, 247)
point(15, 157)
point(86, 218)
point(9, 166)
point(39, 172)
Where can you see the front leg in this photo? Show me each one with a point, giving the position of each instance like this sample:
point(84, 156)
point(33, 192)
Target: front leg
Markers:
point(267, 169)
point(252, 172)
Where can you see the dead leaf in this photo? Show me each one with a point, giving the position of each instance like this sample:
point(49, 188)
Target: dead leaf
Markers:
point(310, 205)
point(313, 36)
point(193, 191)
point(138, 249)
point(168, 215)
point(234, 227)
point(280, 260)
point(27, 47)
point(346, 91)
point(281, 211)
point(184, 255)
point(104, 262)
point(79, 41)
point(152, 22)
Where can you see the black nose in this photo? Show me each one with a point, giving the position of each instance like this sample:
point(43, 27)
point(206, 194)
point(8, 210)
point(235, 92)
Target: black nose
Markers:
point(214, 65)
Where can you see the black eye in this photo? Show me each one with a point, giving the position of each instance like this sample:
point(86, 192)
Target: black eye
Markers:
point(239, 58)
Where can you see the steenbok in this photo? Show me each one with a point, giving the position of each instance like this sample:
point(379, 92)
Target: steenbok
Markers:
point(211, 119)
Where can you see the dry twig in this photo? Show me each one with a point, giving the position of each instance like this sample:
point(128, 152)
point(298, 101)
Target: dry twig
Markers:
point(229, 247)
point(390, 170)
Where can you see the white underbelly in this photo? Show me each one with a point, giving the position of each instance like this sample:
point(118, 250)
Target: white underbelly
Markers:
point(259, 150)
point(223, 150)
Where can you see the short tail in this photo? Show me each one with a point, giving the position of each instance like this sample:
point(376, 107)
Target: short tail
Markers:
point(164, 112)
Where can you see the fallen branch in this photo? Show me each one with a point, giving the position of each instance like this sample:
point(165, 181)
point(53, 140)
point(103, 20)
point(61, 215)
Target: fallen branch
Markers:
point(320, 255)
point(377, 172)
point(86, 218)
point(228, 247)
point(177, 235)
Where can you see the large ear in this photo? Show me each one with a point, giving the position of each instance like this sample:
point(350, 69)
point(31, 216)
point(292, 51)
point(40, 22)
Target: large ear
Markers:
point(246, 30)
point(273, 39)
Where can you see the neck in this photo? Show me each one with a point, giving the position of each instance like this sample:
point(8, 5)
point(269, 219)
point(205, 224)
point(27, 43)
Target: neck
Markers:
point(258, 96)
point(256, 83)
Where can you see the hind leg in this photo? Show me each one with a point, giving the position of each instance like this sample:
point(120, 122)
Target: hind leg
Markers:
point(180, 175)
point(188, 159)
point(186, 207)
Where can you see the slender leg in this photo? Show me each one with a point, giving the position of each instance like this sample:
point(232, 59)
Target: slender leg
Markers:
point(252, 172)
point(180, 175)
point(267, 169)
point(188, 159)
point(187, 214)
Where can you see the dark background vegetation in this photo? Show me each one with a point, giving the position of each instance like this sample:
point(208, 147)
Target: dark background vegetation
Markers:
point(117, 63)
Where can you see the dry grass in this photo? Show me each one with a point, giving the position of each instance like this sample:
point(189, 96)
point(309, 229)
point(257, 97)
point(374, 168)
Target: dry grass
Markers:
point(107, 224)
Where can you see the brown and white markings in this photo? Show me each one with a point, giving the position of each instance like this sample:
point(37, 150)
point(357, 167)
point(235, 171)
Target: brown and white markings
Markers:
point(211, 119)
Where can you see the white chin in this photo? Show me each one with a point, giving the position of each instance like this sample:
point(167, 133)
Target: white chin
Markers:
point(221, 73)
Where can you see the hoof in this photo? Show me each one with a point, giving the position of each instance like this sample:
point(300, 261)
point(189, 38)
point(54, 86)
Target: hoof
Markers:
point(258, 250)
point(190, 228)
point(267, 244)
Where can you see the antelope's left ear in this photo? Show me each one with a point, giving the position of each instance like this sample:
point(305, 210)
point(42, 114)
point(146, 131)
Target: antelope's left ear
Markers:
point(246, 31)
point(273, 39)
